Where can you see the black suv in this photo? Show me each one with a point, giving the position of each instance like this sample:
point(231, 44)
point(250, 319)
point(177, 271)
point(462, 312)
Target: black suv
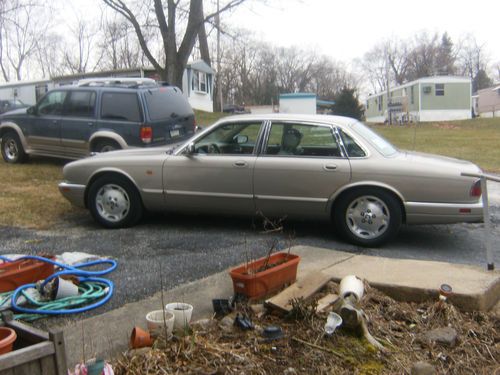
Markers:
point(97, 115)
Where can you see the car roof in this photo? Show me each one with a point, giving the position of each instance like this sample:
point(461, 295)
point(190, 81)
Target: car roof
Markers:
point(329, 119)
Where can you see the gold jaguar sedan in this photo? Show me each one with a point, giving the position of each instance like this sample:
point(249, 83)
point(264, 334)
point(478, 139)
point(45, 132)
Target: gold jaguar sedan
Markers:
point(320, 167)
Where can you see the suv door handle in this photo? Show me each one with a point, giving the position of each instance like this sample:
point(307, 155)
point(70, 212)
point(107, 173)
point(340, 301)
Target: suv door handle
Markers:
point(240, 163)
point(330, 167)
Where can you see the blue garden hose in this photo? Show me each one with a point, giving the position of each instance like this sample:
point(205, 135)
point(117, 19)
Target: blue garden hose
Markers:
point(104, 286)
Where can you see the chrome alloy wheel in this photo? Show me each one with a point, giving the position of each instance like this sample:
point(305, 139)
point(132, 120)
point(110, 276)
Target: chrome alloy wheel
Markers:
point(367, 217)
point(10, 149)
point(112, 202)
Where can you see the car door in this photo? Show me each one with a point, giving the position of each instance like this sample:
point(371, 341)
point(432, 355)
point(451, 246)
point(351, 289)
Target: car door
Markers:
point(44, 133)
point(297, 178)
point(78, 122)
point(215, 173)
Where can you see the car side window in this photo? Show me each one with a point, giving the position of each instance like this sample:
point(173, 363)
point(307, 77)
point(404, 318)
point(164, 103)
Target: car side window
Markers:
point(352, 148)
point(120, 106)
point(80, 104)
point(290, 139)
point(229, 139)
point(52, 103)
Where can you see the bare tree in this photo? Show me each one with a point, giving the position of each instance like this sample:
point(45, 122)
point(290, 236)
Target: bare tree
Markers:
point(21, 27)
point(473, 60)
point(84, 36)
point(176, 50)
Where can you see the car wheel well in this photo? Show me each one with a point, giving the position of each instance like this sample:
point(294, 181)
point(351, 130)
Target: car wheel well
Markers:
point(388, 191)
point(110, 174)
point(100, 140)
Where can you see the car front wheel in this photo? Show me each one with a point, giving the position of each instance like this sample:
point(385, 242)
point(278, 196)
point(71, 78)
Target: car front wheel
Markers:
point(114, 202)
point(368, 217)
point(12, 148)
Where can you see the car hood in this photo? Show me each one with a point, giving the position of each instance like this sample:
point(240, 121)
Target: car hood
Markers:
point(131, 152)
point(439, 162)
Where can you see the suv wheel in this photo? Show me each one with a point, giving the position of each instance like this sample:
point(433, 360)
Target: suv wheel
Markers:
point(12, 148)
point(105, 146)
point(114, 202)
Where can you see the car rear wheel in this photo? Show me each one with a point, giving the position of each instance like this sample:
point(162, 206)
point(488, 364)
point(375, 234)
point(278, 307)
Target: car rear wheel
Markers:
point(114, 202)
point(12, 148)
point(368, 217)
point(106, 146)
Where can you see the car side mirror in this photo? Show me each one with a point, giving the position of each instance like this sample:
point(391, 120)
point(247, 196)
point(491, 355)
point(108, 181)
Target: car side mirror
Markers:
point(240, 139)
point(31, 110)
point(190, 149)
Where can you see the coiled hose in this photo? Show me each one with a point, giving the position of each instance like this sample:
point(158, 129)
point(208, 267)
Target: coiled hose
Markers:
point(91, 287)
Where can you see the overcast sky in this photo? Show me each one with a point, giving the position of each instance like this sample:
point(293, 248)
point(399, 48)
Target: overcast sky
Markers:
point(347, 29)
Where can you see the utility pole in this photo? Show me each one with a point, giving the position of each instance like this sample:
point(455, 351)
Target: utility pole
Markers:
point(388, 89)
point(219, 88)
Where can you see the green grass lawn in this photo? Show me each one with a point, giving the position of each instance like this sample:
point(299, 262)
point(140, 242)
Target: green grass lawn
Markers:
point(29, 196)
point(477, 140)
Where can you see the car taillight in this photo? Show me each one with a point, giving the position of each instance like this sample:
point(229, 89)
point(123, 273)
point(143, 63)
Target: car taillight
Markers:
point(475, 190)
point(146, 134)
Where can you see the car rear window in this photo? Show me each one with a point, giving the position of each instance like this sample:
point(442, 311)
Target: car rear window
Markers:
point(122, 106)
point(166, 102)
point(380, 143)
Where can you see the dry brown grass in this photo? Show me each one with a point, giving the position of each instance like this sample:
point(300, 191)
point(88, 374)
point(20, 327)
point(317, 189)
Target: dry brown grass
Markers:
point(29, 196)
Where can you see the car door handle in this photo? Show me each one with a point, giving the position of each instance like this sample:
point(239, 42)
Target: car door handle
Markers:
point(330, 167)
point(90, 123)
point(240, 163)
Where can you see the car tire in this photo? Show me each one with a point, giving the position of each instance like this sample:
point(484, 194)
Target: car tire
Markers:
point(368, 217)
point(106, 146)
point(114, 202)
point(12, 148)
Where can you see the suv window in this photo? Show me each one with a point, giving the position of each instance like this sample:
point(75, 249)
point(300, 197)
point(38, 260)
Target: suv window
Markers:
point(120, 106)
point(163, 102)
point(81, 104)
point(303, 140)
point(52, 103)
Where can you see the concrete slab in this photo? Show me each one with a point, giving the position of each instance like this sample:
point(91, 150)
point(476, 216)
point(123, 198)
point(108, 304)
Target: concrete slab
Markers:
point(107, 335)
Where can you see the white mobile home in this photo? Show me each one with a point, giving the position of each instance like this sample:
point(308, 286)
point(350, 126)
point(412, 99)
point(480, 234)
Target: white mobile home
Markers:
point(302, 103)
point(27, 92)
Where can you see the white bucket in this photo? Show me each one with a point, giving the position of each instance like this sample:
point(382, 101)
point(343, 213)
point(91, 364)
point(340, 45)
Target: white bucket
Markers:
point(352, 284)
point(157, 320)
point(64, 288)
point(182, 313)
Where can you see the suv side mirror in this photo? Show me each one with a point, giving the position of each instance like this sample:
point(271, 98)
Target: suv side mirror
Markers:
point(31, 110)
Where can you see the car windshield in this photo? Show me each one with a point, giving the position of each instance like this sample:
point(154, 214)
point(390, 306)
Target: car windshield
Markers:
point(381, 144)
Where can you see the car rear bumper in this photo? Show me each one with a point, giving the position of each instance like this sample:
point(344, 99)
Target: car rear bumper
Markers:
point(74, 193)
point(443, 213)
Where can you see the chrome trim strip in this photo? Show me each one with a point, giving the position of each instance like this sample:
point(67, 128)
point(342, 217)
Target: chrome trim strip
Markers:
point(206, 194)
point(443, 205)
point(153, 191)
point(293, 199)
point(67, 185)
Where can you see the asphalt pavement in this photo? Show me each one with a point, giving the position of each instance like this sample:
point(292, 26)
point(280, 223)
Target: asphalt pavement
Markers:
point(182, 248)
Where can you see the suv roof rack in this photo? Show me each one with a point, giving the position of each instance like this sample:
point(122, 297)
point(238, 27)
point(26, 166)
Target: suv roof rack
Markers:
point(117, 81)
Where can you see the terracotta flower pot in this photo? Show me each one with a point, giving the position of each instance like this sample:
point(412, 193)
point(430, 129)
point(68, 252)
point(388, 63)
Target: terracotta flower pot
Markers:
point(140, 338)
point(265, 276)
point(7, 338)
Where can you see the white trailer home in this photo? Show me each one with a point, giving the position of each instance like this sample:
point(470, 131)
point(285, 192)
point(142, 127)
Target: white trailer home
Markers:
point(28, 92)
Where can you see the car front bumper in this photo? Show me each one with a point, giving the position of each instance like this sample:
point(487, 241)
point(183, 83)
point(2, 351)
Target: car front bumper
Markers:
point(443, 213)
point(75, 193)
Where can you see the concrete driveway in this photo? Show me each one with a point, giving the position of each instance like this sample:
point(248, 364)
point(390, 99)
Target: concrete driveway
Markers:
point(186, 248)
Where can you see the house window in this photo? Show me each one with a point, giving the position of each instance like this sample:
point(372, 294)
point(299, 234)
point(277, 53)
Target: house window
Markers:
point(200, 82)
point(412, 95)
point(439, 88)
point(380, 102)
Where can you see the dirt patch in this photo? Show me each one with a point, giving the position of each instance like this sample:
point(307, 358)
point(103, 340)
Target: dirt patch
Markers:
point(445, 125)
point(304, 348)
